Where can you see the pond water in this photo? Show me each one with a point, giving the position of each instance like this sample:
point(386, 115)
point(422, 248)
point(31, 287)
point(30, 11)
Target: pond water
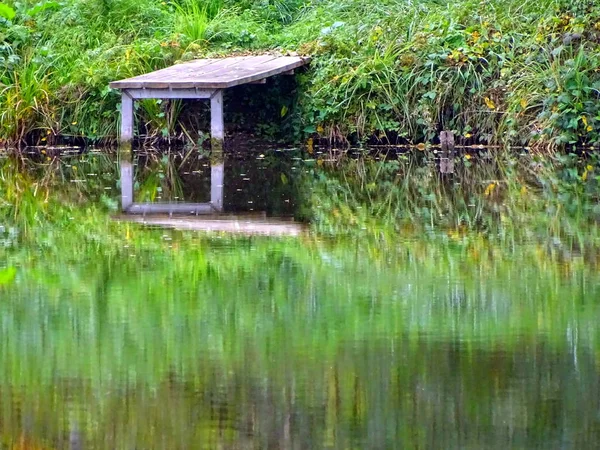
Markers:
point(294, 343)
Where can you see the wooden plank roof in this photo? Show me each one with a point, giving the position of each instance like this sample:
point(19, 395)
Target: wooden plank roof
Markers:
point(214, 73)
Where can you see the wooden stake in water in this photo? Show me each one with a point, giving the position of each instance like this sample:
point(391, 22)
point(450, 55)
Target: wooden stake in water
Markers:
point(447, 158)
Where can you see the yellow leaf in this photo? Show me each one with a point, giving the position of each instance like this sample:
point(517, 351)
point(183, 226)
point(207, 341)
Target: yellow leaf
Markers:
point(523, 190)
point(584, 176)
point(468, 135)
point(421, 146)
point(490, 103)
point(320, 129)
point(468, 156)
point(589, 128)
point(73, 123)
point(523, 103)
point(310, 146)
point(589, 168)
point(584, 120)
point(489, 189)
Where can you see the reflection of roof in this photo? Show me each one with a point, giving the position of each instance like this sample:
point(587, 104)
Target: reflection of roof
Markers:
point(244, 224)
point(214, 73)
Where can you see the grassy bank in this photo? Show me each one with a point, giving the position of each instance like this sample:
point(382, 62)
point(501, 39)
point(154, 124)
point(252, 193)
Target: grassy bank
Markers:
point(503, 70)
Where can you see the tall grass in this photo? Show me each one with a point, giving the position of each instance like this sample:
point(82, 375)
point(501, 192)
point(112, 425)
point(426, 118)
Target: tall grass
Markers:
point(193, 17)
point(24, 100)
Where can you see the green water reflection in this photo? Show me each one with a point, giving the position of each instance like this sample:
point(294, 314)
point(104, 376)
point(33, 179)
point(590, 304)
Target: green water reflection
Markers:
point(259, 343)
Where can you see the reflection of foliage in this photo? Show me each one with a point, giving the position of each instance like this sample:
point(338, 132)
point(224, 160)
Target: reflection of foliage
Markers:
point(131, 335)
point(526, 197)
point(339, 336)
point(159, 179)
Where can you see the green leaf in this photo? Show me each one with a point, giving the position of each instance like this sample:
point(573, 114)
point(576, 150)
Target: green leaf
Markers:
point(7, 275)
point(39, 8)
point(7, 12)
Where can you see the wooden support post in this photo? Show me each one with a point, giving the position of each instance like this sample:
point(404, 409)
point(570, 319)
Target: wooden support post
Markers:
point(126, 178)
point(217, 176)
point(447, 158)
point(126, 118)
point(217, 126)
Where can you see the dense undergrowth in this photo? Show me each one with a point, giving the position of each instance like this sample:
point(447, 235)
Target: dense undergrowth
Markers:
point(525, 71)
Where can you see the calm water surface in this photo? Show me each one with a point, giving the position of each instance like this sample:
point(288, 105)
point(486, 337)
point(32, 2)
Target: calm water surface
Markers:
point(299, 343)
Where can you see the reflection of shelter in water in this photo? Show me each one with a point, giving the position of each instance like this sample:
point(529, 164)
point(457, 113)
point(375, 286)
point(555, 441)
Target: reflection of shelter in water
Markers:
point(193, 184)
point(215, 204)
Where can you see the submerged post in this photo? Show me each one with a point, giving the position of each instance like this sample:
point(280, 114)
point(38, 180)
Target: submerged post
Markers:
point(126, 119)
point(217, 126)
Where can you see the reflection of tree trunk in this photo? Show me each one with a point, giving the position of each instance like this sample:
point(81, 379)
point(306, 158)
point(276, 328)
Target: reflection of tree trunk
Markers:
point(356, 401)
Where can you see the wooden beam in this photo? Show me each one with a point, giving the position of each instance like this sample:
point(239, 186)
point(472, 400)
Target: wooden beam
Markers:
point(228, 224)
point(171, 208)
point(190, 93)
point(263, 81)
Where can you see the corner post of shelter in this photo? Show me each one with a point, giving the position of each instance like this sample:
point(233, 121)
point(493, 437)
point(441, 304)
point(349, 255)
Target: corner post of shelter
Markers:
point(217, 126)
point(126, 118)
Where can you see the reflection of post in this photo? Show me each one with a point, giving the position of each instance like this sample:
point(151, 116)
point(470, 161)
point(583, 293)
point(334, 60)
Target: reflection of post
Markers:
point(126, 179)
point(447, 158)
point(217, 127)
point(217, 176)
point(75, 441)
